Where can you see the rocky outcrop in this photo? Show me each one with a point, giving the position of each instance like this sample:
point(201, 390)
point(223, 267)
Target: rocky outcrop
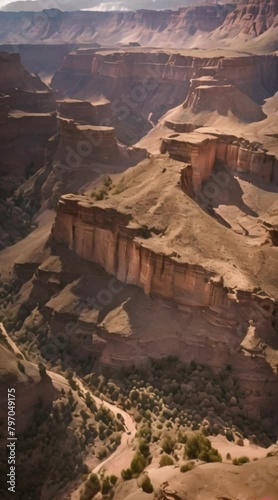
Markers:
point(222, 95)
point(84, 112)
point(23, 141)
point(204, 151)
point(197, 149)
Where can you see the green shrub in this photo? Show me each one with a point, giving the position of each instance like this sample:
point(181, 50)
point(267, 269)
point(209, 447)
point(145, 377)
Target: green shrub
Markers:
point(199, 447)
point(113, 479)
point(187, 467)
point(92, 485)
point(182, 437)
point(168, 445)
point(144, 448)
point(166, 460)
point(241, 461)
point(126, 474)
point(230, 436)
point(102, 453)
point(106, 486)
point(147, 486)
point(138, 463)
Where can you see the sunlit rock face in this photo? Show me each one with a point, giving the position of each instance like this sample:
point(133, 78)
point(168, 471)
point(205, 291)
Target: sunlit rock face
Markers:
point(204, 151)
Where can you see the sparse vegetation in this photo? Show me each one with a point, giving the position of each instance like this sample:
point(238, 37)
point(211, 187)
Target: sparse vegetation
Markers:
point(241, 461)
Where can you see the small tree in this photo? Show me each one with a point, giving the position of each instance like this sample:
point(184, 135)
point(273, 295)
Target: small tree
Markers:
point(166, 460)
point(138, 463)
point(147, 486)
point(241, 461)
point(126, 474)
point(168, 445)
point(199, 447)
point(187, 467)
point(92, 485)
point(144, 448)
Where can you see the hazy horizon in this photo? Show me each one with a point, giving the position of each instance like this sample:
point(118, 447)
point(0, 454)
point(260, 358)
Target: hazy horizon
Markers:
point(95, 4)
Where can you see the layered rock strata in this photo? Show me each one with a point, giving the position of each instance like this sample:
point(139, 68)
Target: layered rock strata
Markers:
point(85, 112)
point(204, 151)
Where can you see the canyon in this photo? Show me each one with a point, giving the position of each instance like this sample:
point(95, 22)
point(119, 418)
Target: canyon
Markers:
point(139, 226)
point(213, 22)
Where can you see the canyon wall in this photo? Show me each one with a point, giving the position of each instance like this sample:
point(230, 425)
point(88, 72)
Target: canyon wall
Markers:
point(28, 116)
point(84, 70)
point(144, 86)
point(149, 28)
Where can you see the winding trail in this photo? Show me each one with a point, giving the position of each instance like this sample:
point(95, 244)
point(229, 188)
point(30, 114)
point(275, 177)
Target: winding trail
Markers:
point(121, 457)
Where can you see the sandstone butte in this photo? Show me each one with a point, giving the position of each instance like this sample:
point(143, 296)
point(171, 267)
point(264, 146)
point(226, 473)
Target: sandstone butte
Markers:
point(139, 154)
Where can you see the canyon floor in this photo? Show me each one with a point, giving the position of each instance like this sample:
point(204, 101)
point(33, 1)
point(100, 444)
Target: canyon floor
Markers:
point(139, 252)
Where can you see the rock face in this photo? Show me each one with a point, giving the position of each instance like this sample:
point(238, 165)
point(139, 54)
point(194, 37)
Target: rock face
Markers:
point(152, 28)
point(21, 147)
point(252, 17)
point(140, 243)
point(204, 151)
point(27, 112)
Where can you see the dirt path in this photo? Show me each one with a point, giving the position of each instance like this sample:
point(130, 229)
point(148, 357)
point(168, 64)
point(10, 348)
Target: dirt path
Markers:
point(121, 458)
